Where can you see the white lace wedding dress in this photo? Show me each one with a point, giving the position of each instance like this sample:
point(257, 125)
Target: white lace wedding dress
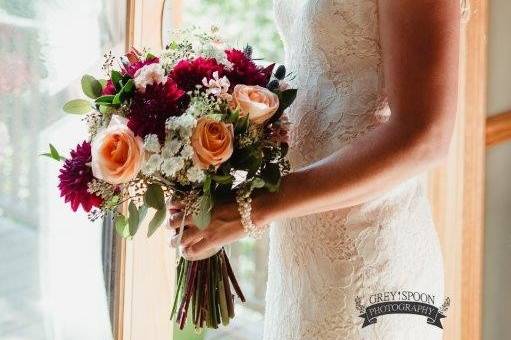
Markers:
point(319, 264)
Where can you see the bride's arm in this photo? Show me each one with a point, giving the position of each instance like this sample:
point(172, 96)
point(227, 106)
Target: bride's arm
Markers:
point(420, 53)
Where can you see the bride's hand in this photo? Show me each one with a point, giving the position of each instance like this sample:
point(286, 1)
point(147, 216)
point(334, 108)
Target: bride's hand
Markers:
point(225, 227)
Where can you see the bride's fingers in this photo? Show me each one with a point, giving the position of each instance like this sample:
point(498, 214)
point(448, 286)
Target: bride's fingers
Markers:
point(176, 220)
point(202, 246)
point(190, 234)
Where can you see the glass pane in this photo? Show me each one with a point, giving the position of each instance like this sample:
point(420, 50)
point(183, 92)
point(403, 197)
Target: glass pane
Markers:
point(235, 18)
point(51, 272)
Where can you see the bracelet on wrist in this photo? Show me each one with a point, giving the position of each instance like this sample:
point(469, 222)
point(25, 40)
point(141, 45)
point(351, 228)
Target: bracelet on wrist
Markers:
point(245, 209)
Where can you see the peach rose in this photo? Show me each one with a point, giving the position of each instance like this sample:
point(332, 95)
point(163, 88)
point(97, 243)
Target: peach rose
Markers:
point(212, 142)
point(257, 102)
point(117, 154)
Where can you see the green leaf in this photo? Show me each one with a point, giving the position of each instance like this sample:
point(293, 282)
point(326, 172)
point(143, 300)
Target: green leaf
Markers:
point(157, 221)
point(142, 212)
point(102, 82)
point(117, 99)
point(116, 78)
point(241, 125)
point(206, 186)
point(105, 109)
point(53, 154)
point(154, 197)
point(133, 218)
point(233, 116)
point(91, 87)
point(202, 217)
point(105, 99)
point(128, 87)
point(121, 226)
point(77, 106)
point(257, 183)
point(223, 179)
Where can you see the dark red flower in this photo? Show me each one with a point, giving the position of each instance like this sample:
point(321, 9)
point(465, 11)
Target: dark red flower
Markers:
point(189, 73)
point(131, 68)
point(74, 177)
point(150, 110)
point(245, 71)
point(109, 88)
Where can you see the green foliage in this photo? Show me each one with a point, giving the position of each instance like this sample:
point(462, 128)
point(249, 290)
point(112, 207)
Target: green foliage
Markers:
point(202, 217)
point(154, 197)
point(54, 154)
point(91, 87)
point(77, 106)
point(156, 221)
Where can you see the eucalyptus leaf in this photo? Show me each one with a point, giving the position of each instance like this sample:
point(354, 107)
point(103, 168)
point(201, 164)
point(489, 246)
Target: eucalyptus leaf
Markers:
point(154, 197)
point(91, 87)
point(133, 218)
point(257, 183)
point(202, 216)
point(102, 82)
point(157, 221)
point(77, 106)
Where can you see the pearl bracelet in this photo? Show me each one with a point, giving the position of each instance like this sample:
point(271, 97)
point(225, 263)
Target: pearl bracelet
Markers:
point(245, 209)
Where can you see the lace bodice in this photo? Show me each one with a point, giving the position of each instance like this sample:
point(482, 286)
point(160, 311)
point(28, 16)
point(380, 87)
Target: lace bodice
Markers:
point(319, 264)
point(332, 48)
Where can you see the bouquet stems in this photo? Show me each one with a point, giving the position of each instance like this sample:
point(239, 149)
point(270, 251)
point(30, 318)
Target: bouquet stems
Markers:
point(206, 285)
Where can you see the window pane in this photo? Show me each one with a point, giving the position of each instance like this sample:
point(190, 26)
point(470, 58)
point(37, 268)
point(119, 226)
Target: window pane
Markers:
point(241, 22)
point(51, 272)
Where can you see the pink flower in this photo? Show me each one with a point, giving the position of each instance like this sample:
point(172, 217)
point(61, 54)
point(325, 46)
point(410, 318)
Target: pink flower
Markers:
point(75, 176)
point(256, 102)
point(279, 131)
point(109, 88)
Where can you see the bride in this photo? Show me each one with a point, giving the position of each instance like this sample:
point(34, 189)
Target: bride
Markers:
point(377, 99)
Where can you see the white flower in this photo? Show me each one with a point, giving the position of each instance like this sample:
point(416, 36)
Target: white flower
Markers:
point(151, 74)
point(170, 148)
point(172, 165)
point(195, 174)
point(151, 143)
point(217, 86)
point(152, 164)
point(171, 123)
point(187, 151)
point(186, 124)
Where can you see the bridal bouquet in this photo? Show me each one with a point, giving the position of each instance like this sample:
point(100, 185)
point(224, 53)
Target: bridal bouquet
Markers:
point(195, 123)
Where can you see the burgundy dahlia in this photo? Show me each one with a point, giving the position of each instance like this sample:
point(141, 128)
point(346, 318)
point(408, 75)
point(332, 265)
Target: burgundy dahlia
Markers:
point(150, 110)
point(245, 71)
point(189, 73)
point(75, 176)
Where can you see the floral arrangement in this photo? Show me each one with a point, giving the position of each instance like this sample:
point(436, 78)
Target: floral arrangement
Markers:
point(196, 123)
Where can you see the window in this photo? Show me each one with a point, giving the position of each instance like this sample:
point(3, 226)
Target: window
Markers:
point(51, 277)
